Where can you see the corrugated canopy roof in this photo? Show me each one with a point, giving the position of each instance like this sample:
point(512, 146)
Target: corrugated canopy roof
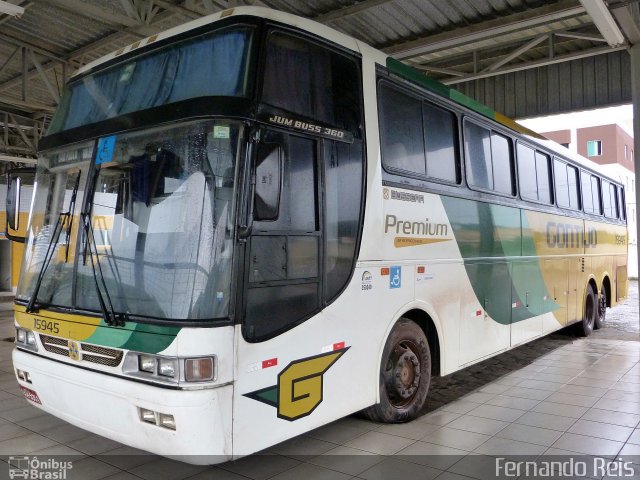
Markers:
point(454, 41)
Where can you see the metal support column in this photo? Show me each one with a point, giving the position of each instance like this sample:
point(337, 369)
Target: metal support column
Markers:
point(635, 82)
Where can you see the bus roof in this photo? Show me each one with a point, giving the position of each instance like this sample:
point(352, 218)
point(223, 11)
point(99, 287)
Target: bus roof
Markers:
point(393, 65)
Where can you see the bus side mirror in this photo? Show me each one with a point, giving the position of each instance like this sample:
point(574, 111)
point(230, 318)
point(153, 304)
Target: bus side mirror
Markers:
point(14, 192)
point(14, 185)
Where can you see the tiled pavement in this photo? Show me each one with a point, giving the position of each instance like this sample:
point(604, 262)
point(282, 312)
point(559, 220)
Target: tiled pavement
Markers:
point(557, 396)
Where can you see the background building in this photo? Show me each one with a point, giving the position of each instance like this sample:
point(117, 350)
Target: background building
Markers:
point(609, 149)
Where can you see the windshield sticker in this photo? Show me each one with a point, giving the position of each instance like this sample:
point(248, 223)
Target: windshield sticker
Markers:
point(395, 277)
point(221, 131)
point(106, 147)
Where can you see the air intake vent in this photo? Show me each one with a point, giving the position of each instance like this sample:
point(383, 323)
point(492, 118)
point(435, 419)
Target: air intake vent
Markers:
point(582, 263)
point(109, 357)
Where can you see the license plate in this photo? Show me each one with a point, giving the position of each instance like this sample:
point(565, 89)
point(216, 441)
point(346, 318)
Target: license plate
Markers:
point(30, 395)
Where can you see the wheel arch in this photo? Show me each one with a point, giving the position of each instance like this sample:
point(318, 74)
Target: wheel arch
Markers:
point(429, 323)
point(606, 283)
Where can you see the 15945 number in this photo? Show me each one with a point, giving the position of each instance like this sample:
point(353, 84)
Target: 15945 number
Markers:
point(52, 327)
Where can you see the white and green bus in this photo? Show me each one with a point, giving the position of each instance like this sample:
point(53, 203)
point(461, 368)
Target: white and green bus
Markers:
point(251, 225)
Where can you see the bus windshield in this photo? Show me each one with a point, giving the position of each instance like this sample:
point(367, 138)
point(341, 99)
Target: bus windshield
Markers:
point(160, 77)
point(160, 204)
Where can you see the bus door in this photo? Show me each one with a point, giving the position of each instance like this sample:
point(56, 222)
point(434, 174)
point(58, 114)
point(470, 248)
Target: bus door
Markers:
point(282, 282)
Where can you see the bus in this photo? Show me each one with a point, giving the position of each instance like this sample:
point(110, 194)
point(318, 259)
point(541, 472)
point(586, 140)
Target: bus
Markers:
point(252, 225)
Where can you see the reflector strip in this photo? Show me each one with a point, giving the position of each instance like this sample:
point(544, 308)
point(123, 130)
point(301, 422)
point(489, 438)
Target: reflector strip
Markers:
point(253, 367)
point(333, 347)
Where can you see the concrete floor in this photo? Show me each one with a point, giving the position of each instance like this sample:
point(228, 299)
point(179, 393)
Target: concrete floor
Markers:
point(559, 398)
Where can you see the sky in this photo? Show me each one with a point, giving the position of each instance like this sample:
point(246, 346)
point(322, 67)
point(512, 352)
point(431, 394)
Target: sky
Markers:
point(622, 115)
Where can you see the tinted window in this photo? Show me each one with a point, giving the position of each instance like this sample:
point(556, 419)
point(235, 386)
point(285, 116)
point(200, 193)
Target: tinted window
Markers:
point(606, 199)
point(477, 142)
point(401, 129)
point(441, 138)
point(311, 80)
point(614, 200)
point(623, 207)
point(595, 192)
point(527, 172)
point(543, 171)
point(502, 161)
point(572, 178)
point(587, 196)
point(343, 192)
point(562, 184)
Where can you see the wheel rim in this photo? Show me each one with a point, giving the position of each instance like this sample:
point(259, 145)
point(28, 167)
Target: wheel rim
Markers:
point(602, 305)
point(402, 373)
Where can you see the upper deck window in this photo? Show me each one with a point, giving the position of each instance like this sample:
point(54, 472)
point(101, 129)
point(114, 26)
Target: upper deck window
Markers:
point(211, 65)
point(312, 80)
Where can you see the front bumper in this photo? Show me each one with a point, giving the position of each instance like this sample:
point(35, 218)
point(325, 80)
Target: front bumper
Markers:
point(109, 406)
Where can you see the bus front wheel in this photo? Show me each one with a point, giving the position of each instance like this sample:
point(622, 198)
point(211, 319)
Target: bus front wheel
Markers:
point(585, 327)
point(405, 375)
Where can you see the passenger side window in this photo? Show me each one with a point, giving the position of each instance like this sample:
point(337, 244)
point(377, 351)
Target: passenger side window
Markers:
point(401, 132)
point(527, 172)
point(417, 137)
point(441, 139)
point(587, 196)
point(543, 171)
point(595, 191)
point(566, 180)
point(533, 173)
point(606, 199)
point(489, 159)
point(572, 178)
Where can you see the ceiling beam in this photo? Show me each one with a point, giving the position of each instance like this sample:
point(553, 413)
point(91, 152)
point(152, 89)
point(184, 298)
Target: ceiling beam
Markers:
point(490, 29)
point(96, 13)
point(605, 22)
point(10, 158)
point(349, 11)
point(516, 53)
point(628, 17)
point(535, 64)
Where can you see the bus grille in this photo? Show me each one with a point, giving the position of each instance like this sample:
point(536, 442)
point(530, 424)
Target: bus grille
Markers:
point(109, 357)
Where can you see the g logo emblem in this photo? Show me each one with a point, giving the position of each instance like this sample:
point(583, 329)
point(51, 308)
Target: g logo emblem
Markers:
point(300, 386)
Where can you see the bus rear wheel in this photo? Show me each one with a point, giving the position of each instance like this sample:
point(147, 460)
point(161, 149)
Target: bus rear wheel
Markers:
point(602, 308)
point(585, 327)
point(405, 375)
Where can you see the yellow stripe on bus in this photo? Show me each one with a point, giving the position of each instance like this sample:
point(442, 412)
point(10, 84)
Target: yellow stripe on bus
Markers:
point(73, 327)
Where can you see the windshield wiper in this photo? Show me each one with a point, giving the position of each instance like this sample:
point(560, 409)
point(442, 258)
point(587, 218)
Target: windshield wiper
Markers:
point(63, 217)
point(111, 317)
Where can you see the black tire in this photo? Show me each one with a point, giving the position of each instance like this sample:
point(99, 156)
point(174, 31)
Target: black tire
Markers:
point(585, 327)
point(602, 309)
point(405, 375)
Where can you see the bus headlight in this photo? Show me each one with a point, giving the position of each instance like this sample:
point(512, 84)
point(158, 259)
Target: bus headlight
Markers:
point(167, 367)
point(26, 339)
point(170, 369)
point(147, 363)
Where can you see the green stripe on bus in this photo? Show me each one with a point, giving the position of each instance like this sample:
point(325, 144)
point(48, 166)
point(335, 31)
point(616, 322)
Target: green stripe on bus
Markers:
point(509, 290)
point(420, 78)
